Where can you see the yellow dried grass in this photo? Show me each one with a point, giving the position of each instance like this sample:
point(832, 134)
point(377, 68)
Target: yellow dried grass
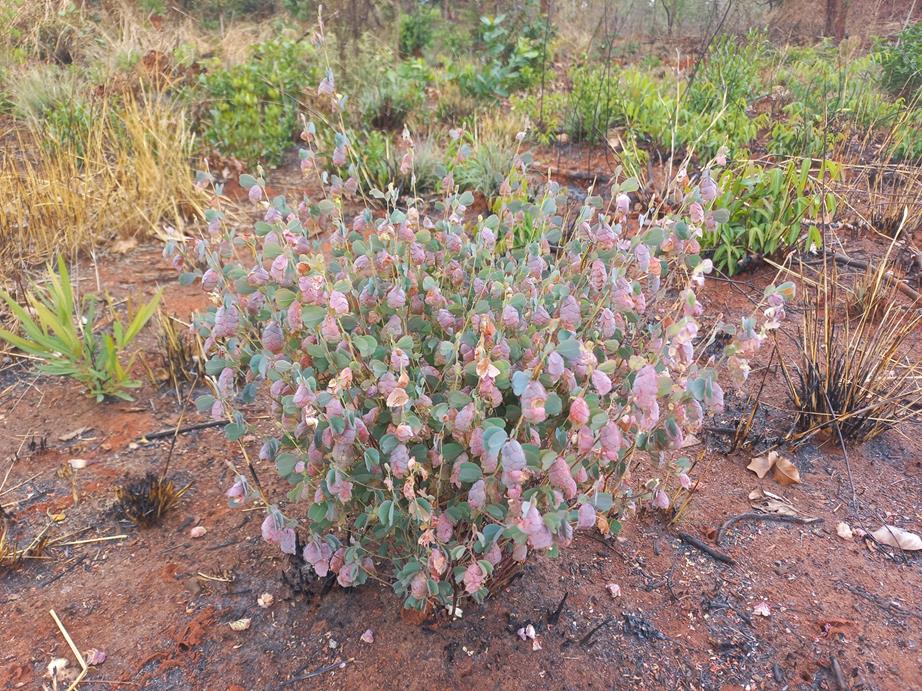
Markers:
point(129, 176)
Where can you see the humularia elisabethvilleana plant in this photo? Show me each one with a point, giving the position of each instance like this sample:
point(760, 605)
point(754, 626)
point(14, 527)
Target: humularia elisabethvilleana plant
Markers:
point(443, 405)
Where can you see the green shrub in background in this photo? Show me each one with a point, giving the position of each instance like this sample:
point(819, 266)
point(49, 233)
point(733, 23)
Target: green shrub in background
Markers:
point(381, 160)
point(224, 9)
point(253, 107)
point(416, 30)
point(484, 165)
point(905, 142)
point(509, 59)
point(901, 62)
point(388, 103)
point(763, 209)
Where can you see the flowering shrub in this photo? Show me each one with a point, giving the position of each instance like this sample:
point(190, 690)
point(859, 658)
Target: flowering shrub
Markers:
point(442, 405)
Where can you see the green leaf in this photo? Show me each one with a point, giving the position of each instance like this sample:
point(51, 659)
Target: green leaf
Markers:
point(520, 381)
point(602, 502)
point(312, 315)
point(470, 473)
point(386, 513)
point(451, 451)
point(234, 431)
point(366, 345)
point(204, 403)
point(493, 439)
point(569, 349)
point(285, 463)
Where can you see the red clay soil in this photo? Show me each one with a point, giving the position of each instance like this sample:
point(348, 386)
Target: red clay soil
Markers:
point(159, 602)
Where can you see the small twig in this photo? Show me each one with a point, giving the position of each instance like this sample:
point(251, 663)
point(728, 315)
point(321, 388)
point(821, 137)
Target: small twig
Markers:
point(585, 640)
point(753, 516)
point(90, 540)
point(884, 604)
point(164, 433)
point(74, 650)
point(861, 264)
point(219, 579)
point(848, 464)
point(707, 549)
point(64, 572)
point(10, 489)
point(317, 672)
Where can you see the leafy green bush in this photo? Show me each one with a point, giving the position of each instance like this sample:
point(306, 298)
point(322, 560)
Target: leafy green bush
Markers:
point(62, 336)
point(545, 115)
point(905, 143)
point(508, 60)
point(388, 103)
point(763, 210)
point(730, 76)
point(901, 62)
point(253, 107)
point(594, 103)
point(414, 171)
point(415, 31)
point(482, 166)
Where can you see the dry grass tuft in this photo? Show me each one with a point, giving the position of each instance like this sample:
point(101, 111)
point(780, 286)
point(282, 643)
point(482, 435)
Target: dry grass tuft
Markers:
point(855, 377)
point(129, 177)
point(147, 500)
point(179, 353)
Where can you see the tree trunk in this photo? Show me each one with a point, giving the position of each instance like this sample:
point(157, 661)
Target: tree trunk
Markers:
point(836, 14)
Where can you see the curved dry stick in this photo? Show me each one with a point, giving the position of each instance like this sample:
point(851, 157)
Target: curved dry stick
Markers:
point(753, 516)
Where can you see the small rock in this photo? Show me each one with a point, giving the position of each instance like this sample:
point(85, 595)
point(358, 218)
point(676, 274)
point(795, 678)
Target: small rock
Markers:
point(844, 531)
point(762, 610)
point(57, 665)
point(526, 632)
point(613, 589)
point(198, 531)
point(368, 636)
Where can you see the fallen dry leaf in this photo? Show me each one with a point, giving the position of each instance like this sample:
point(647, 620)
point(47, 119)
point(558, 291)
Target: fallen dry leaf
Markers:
point(602, 524)
point(760, 465)
point(265, 600)
point(240, 624)
point(782, 508)
point(786, 473)
point(768, 502)
point(94, 657)
point(762, 610)
point(70, 436)
point(892, 536)
point(844, 531)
